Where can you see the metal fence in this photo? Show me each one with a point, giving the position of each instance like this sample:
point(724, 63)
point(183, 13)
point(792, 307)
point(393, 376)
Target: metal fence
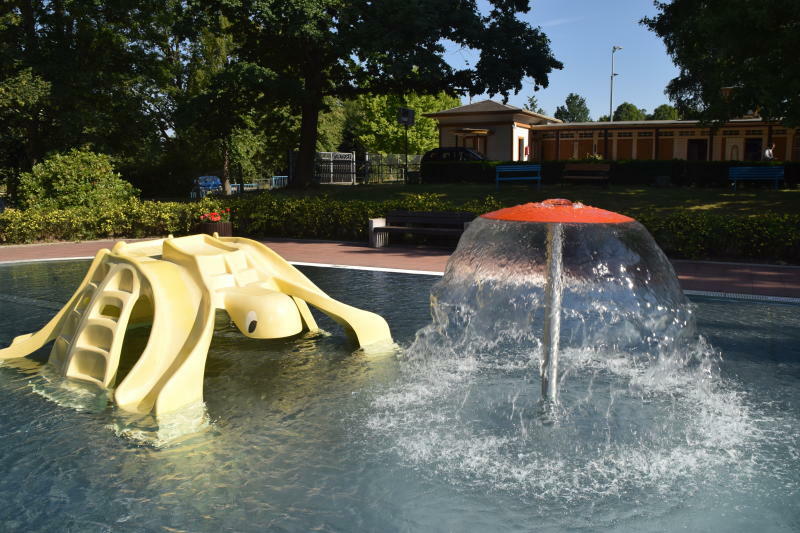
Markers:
point(342, 168)
point(390, 168)
point(335, 168)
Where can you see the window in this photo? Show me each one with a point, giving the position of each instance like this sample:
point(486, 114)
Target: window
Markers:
point(645, 134)
point(567, 135)
point(779, 132)
point(666, 133)
point(625, 134)
point(686, 133)
point(586, 135)
point(753, 132)
point(730, 132)
point(549, 136)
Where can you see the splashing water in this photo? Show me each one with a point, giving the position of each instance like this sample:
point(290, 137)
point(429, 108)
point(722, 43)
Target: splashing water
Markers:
point(642, 408)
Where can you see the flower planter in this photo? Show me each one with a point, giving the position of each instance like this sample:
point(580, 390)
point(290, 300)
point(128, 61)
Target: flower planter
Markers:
point(224, 229)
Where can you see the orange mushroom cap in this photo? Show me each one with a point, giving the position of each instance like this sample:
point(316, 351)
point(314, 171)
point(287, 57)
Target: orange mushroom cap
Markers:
point(558, 210)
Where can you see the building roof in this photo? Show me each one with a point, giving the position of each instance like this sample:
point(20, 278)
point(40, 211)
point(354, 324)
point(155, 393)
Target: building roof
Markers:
point(488, 106)
point(650, 123)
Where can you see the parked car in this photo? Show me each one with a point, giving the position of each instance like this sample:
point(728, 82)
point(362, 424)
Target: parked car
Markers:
point(205, 185)
point(453, 153)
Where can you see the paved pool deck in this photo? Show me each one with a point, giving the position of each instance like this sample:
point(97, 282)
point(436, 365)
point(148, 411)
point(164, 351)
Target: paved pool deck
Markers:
point(701, 276)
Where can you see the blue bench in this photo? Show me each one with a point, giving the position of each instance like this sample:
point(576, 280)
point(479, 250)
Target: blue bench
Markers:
point(518, 173)
point(773, 174)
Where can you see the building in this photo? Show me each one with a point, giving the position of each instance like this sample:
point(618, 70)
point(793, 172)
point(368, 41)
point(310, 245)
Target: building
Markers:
point(508, 133)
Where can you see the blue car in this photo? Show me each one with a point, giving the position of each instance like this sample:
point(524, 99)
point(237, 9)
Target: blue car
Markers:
point(205, 185)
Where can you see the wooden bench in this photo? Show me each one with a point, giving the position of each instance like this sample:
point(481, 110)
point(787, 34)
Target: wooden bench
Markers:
point(518, 173)
point(438, 224)
point(599, 172)
point(773, 174)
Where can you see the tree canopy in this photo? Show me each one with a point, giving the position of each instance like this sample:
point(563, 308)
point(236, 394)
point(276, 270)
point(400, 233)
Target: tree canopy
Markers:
point(326, 48)
point(735, 57)
point(573, 110)
point(174, 89)
point(533, 105)
point(664, 112)
point(628, 111)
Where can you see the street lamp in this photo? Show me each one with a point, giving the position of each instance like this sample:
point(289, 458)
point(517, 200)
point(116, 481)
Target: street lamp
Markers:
point(611, 94)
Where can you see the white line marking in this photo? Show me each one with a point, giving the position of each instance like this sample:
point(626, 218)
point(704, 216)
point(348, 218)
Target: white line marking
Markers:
point(373, 269)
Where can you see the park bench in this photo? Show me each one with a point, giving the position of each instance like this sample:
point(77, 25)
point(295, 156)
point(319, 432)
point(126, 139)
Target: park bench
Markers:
point(437, 224)
point(773, 174)
point(518, 173)
point(599, 172)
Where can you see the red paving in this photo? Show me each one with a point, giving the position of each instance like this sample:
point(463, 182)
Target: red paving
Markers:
point(764, 280)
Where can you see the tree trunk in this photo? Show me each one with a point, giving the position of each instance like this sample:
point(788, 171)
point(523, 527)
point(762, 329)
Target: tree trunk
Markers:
point(308, 130)
point(226, 175)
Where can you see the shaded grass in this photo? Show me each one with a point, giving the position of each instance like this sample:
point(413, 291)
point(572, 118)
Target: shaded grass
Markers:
point(630, 200)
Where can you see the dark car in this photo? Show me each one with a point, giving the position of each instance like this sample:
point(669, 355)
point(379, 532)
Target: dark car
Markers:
point(454, 153)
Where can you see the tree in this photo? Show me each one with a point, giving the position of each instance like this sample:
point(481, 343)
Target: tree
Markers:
point(627, 111)
point(533, 105)
point(375, 128)
point(603, 118)
point(664, 112)
point(735, 57)
point(574, 110)
point(330, 48)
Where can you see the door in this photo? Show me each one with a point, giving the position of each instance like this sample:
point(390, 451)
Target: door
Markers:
point(697, 150)
point(752, 149)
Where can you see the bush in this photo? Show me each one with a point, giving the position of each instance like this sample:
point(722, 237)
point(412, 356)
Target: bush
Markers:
point(77, 178)
point(630, 172)
point(683, 234)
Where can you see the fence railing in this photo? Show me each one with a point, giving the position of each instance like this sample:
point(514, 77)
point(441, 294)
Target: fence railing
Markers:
point(389, 168)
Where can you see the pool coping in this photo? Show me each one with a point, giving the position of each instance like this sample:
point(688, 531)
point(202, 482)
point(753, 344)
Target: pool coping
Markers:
point(744, 281)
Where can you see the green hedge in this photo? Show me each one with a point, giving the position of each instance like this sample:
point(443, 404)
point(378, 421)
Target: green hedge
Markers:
point(633, 172)
point(683, 234)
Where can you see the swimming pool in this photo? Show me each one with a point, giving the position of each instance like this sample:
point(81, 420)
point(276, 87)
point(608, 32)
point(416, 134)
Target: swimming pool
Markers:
point(304, 435)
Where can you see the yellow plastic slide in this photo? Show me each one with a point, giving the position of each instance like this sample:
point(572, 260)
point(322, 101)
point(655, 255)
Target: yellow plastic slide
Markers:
point(178, 284)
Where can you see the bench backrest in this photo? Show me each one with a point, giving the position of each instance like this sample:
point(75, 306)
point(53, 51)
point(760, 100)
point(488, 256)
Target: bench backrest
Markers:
point(518, 168)
point(429, 218)
point(755, 172)
point(588, 167)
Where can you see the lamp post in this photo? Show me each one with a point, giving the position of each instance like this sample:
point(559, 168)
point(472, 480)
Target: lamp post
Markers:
point(611, 94)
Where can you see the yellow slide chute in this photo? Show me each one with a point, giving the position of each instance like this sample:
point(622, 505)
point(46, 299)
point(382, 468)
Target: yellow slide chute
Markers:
point(178, 284)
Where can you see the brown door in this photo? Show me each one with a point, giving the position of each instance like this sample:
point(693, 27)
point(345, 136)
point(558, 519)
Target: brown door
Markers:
point(624, 149)
point(644, 148)
point(665, 148)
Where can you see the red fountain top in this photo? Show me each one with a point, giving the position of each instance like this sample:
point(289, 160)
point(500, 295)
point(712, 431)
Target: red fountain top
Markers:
point(558, 210)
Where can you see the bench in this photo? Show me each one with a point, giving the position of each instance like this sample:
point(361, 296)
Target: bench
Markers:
point(438, 224)
point(599, 172)
point(518, 173)
point(773, 174)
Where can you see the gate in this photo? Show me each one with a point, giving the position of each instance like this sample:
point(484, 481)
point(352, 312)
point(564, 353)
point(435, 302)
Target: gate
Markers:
point(335, 168)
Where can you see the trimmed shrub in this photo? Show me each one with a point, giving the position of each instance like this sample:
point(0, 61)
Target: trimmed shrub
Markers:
point(77, 178)
point(682, 234)
point(627, 173)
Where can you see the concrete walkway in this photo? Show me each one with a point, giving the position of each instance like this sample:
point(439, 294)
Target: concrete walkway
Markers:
point(732, 278)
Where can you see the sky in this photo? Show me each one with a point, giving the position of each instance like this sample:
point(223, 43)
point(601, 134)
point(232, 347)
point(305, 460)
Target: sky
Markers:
point(581, 34)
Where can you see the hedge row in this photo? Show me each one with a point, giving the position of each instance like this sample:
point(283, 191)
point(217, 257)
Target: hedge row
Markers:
point(684, 234)
point(634, 172)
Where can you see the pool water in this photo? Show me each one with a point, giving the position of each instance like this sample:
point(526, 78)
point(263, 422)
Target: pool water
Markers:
point(306, 435)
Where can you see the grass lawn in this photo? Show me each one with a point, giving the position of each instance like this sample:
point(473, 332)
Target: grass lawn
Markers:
point(622, 199)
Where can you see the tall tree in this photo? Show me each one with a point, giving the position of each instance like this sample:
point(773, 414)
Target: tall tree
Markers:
point(376, 129)
point(628, 111)
point(664, 112)
point(533, 105)
point(735, 57)
point(322, 48)
point(573, 110)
